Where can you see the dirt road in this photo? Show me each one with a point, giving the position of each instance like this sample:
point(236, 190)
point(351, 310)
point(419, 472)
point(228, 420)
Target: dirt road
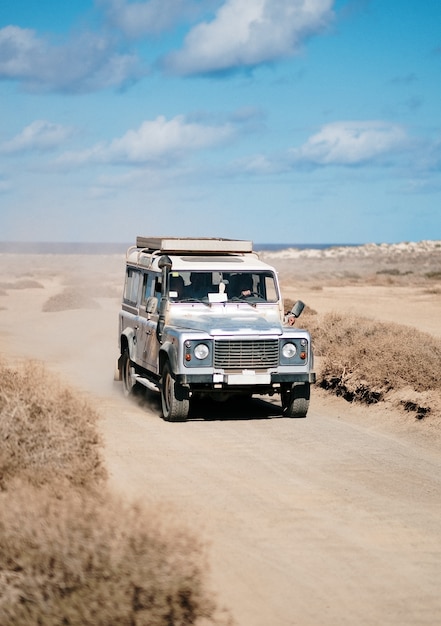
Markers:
point(329, 520)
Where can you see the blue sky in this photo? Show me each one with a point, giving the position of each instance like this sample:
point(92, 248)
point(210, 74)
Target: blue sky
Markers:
point(291, 121)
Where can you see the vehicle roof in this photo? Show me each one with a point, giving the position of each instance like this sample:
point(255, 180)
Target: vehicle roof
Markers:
point(189, 245)
point(197, 253)
point(201, 262)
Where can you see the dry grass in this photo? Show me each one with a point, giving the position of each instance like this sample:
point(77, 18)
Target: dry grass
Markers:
point(87, 562)
point(68, 300)
point(48, 431)
point(70, 553)
point(369, 361)
point(435, 275)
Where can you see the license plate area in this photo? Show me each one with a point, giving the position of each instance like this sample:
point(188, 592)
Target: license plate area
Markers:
point(248, 377)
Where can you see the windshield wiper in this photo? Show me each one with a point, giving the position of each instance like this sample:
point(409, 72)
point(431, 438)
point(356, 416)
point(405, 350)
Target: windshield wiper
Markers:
point(244, 300)
point(194, 300)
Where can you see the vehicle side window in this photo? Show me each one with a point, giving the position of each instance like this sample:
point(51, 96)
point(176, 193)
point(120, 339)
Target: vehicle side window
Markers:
point(158, 288)
point(147, 287)
point(269, 286)
point(131, 287)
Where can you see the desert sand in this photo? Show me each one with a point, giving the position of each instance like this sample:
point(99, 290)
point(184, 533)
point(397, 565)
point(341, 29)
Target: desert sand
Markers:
point(329, 520)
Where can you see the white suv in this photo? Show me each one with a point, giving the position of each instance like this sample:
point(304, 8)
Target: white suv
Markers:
point(205, 317)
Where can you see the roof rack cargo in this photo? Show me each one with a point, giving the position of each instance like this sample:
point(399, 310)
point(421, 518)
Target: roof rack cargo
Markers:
point(191, 245)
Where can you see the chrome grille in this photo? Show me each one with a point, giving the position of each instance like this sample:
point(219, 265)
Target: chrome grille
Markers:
point(246, 354)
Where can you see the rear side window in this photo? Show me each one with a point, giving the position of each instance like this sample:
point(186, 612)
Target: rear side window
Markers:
point(131, 288)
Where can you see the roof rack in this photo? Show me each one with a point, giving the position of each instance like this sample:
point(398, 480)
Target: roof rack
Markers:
point(192, 245)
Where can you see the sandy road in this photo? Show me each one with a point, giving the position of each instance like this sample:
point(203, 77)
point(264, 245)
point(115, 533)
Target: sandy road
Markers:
point(329, 520)
point(315, 521)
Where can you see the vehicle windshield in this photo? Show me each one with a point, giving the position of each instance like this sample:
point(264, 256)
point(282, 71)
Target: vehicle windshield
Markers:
point(217, 286)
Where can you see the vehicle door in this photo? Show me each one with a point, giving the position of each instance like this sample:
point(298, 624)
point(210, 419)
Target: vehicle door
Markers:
point(129, 316)
point(149, 313)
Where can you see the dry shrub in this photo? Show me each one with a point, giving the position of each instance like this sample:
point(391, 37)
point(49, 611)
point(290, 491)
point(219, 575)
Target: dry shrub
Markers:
point(69, 299)
point(434, 291)
point(84, 561)
point(48, 432)
point(96, 285)
point(364, 360)
point(436, 275)
point(70, 553)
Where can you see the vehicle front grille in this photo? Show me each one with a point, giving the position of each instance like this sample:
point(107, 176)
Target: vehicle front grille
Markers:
point(246, 354)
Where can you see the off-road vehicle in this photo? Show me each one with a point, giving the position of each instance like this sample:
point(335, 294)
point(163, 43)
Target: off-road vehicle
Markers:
point(204, 317)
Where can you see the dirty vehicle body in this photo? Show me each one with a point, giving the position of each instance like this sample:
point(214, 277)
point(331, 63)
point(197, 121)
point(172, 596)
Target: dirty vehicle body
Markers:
point(204, 317)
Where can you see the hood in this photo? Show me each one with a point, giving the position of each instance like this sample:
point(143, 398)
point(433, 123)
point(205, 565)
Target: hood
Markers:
point(238, 322)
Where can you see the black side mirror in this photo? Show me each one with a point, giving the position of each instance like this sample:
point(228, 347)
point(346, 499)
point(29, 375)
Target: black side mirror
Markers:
point(297, 308)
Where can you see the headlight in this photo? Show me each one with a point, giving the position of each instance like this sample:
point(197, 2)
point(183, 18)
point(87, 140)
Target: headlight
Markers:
point(201, 351)
point(289, 350)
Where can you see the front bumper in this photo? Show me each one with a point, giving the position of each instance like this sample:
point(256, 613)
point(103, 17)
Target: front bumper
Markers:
point(243, 379)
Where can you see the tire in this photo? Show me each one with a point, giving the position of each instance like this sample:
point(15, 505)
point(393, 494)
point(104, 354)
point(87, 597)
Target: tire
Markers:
point(174, 401)
point(295, 401)
point(127, 371)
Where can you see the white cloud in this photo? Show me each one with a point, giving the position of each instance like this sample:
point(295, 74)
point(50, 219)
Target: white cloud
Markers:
point(352, 143)
point(246, 33)
point(343, 143)
point(40, 135)
point(155, 141)
point(135, 19)
point(259, 165)
point(84, 63)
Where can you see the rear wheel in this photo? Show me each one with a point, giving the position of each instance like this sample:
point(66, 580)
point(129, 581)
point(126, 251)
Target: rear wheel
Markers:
point(127, 374)
point(174, 399)
point(295, 400)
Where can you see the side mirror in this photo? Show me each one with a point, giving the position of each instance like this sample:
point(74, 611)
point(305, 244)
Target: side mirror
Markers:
point(151, 305)
point(297, 308)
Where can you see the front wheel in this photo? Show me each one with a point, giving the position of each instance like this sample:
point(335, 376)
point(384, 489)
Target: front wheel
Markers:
point(295, 400)
point(127, 374)
point(174, 399)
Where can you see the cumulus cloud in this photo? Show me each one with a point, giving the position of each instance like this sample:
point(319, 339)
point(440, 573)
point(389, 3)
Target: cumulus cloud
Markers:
point(40, 135)
point(344, 144)
point(352, 143)
point(155, 141)
point(246, 34)
point(84, 63)
point(136, 19)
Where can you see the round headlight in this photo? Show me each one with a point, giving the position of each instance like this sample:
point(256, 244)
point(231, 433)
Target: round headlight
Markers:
point(289, 350)
point(201, 351)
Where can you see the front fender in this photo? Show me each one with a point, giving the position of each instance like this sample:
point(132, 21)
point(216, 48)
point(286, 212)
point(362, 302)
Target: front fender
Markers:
point(128, 340)
point(168, 353)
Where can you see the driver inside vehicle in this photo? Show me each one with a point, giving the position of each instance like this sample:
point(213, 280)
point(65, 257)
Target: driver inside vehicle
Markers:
point(243, 286)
